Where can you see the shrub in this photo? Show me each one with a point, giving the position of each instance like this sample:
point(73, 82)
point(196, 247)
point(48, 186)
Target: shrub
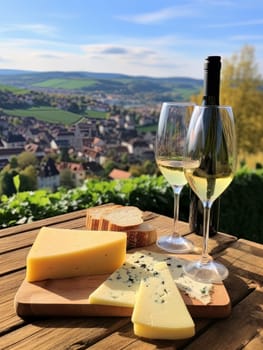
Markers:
point(241, 204)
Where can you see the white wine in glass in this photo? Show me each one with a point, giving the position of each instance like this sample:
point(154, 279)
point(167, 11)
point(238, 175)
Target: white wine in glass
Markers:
point(211, 147)
point(169, 153)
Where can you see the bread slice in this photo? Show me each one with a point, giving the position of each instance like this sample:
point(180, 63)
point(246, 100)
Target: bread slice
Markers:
point(94, 216)
point(128, 219)
point(141, 236)
point(122, 219)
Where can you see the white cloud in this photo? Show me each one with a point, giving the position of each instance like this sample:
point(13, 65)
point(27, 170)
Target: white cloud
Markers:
point(33, 28)
point(246, 23)
point(161, 15)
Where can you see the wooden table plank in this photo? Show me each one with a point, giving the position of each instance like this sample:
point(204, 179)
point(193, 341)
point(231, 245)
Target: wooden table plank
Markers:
point(27, 237)
point(245, 260)
point(14, 242)
point(58, 334)
point(242, 325)
point(8, 288)
point(44, 222)
point(13, 261)
point(256, 342)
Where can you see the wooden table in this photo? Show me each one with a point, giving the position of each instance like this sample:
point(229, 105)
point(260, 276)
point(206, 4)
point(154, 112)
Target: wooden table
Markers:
point(241, 330)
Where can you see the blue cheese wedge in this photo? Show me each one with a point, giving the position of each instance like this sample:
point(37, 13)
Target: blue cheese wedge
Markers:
point(159, 311)
point(121, 286)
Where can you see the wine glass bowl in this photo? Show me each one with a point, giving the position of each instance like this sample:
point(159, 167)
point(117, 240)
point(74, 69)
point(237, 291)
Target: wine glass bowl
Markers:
point(211, 155)
point(169, 153)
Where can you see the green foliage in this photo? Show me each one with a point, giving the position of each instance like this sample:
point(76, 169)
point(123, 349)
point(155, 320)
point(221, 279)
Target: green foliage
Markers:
point(242, 206)
point(146, 192)
point(25, 159)
point(66, 178)
point(241, 203)
point(241, 88)
point(19, 175)
point(16, 180)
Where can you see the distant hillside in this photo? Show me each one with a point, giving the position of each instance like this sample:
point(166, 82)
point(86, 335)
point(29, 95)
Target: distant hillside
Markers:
point(141, 88)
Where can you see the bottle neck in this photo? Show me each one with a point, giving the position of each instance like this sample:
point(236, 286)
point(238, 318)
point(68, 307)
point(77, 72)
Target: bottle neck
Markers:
point(209, 100)
point(212, 69)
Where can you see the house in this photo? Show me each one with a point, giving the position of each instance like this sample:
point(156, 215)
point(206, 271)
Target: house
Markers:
point(65, 139)
point(14, 141)
point(34, 148)
point(7, 153)
point(94, 168)
point(136, 146)
point(48, 175)
point(77, 170)
point(117, 174)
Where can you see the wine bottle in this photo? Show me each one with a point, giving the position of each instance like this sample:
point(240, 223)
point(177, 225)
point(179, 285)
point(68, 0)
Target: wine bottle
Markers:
point(212, 68)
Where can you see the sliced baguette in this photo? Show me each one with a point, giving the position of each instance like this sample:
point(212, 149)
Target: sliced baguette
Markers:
point(94, 216)
point(141, 236)
point(121, 219)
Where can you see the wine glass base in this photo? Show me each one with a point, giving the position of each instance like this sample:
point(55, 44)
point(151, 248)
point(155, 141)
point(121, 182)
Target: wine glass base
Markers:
point(177, 245)
point(211, 272)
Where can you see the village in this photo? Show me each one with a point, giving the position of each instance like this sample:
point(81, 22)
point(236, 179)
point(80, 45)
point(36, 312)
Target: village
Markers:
point(86, 144)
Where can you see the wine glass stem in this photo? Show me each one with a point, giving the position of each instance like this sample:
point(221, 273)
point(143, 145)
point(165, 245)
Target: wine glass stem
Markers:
point(205, 256)
point(177, 192)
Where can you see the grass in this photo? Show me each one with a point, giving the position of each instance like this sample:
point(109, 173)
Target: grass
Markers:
point(67, 84)
point(47, 114)
point(13, 89)
point(97, 114)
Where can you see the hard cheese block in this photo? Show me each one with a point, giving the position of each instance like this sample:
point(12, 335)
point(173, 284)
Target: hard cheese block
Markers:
point(120, 288)
point(62, 253)
point(159, 311)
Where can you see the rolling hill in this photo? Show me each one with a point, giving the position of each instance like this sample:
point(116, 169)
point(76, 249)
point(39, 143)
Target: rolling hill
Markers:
point(155, 89)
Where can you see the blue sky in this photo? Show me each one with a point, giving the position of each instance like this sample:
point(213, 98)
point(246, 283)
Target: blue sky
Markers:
point(158, 38)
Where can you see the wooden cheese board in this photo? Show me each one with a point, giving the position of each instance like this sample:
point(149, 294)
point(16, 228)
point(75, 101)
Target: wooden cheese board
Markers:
point(69, 297)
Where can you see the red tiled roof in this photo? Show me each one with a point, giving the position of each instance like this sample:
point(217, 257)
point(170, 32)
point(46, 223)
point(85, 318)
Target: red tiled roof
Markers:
point(119, 174)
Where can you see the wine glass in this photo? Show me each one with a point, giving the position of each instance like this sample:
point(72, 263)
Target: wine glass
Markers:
point(169, 153)
point(211, 158)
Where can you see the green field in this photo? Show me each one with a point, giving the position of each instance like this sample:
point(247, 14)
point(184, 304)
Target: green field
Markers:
point(66, 84)
point(13, 89)
point(96, 114)
point(47, 114)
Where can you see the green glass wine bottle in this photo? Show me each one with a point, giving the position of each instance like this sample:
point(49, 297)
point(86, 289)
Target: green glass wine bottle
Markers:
point(212, 68)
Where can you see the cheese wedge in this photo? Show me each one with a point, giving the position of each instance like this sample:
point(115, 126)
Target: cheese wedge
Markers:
point(62, 253)
point(120, 288)
point(159, 311)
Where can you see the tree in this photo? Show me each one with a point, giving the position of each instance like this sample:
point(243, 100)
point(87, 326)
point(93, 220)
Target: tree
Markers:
point(28, 179)
point(240, 87)
point(64, 155)
point(13, 163)
point(66, 178)
point(25, 159)
point(7, 186)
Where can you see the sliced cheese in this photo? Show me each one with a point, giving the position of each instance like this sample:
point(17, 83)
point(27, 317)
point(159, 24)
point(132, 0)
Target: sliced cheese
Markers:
point(120, 288)
point(62, 253)
point(159, 311)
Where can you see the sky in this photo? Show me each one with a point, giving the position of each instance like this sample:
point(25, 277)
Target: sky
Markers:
point(158, 38)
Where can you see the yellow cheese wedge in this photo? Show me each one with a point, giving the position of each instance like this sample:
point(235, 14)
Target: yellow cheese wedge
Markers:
point(159, 311)
point(62, 253)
